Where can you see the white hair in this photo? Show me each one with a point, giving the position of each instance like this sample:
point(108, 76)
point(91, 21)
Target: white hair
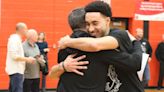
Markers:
point(31, 32)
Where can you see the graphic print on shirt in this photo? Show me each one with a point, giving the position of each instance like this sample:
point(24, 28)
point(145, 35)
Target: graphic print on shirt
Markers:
point(113, 83)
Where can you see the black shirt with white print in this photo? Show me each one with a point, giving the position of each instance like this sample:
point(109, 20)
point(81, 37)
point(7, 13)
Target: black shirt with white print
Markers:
point(124, 79)
point(94, 79)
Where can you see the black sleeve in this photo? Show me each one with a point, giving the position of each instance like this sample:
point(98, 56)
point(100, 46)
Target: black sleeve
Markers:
point(157, 52)
point(46, 46)
point(149, 49)
point(123, 39)
point(128, 62)
point(62, 55)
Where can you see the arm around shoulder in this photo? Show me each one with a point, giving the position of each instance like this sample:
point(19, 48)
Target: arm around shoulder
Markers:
point(93, 44)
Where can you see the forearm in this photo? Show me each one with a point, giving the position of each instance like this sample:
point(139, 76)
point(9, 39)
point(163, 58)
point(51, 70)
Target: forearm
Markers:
point(93, 44)
point(83, 44)
point(18, 58)
point(56, 71)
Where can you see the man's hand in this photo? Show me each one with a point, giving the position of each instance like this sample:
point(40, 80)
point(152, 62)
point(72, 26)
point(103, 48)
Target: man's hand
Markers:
point(41, 61)
point(72, 65)
point(149, 60)
point(46, 50)
point(30, 60)
point(62, 42)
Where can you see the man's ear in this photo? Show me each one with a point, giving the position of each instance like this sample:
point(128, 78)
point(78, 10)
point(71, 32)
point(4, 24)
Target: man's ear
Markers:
point(108, 20)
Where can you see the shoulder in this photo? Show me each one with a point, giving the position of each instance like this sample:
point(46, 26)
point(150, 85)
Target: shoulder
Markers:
point(14, 37)
point(145, 40)
point(36, 45)
point(37, 48)
point(25, 46)
point(120, 33)
point(123, 39)
point(161, 44)
point(79, 33)
point(25, 43)
point(41, 43)
point(45, 42)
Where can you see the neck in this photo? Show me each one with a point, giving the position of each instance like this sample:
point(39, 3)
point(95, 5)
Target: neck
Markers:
point(107, 32)
point(19, 34)
point(39, 40)
point(31, 43)
point(138, 38)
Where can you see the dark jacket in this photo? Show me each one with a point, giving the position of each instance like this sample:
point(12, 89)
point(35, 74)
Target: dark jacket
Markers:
point(160, 52)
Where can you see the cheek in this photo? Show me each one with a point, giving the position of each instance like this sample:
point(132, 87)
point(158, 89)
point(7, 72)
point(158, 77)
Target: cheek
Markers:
point(98, 27)
point(41, 37)
point(87, 28)
point(36, 38)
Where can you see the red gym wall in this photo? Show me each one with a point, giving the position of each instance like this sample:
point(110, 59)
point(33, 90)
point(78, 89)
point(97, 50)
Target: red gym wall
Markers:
point(50, 16)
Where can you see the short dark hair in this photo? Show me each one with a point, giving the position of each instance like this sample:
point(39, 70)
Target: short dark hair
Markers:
point(76, 18)
point(99, 6)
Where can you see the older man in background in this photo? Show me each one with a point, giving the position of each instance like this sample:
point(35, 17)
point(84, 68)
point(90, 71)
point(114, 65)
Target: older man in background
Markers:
point(160, 57)
point(32, 71)
point(15, 62)
point(146, 48)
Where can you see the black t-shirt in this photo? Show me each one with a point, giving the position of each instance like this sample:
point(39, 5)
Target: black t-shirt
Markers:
point(94, 79)
point(120, 79)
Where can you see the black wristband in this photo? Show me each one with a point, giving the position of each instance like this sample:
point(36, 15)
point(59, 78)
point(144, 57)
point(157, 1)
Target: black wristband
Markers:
point(63, 66)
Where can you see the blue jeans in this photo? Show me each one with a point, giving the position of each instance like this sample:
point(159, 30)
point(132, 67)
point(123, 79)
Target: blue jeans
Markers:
point(16, 83)
point(146, 75)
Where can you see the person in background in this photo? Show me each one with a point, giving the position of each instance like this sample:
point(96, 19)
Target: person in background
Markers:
point(43, 47)
point(15, 62)
point(160, 57)
point(32, 71)
point(146, 48)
